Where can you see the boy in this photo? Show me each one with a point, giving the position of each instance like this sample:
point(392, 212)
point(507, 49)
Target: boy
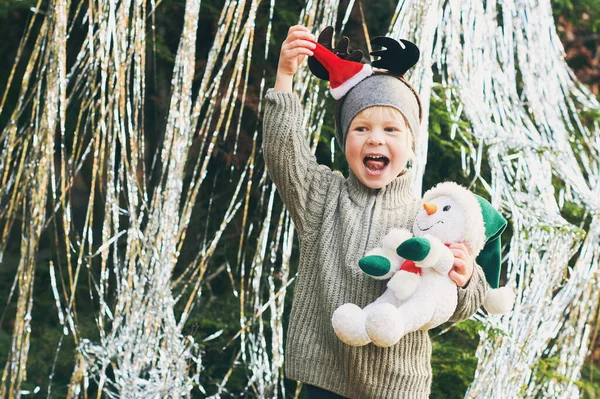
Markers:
point(338, 220)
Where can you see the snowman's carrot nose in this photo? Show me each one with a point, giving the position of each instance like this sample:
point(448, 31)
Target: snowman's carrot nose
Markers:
point(430, 208)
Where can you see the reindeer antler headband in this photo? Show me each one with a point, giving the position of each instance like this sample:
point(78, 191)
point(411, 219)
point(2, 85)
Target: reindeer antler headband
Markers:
point(344, 71)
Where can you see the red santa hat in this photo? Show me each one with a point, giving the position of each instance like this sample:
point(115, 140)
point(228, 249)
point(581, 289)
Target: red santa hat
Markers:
point(343, 74)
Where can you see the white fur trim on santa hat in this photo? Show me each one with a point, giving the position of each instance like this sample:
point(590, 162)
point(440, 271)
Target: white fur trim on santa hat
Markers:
point(475, 232)
point(341, 90)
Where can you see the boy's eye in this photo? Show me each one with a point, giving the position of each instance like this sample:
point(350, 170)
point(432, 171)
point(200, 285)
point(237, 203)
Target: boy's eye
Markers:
point(360, 129)
point(395, 129)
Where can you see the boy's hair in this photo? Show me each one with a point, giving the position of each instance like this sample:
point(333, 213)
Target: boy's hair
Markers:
point(392, 113)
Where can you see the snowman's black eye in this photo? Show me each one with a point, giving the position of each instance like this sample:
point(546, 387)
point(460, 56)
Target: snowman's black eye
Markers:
point(446, 208)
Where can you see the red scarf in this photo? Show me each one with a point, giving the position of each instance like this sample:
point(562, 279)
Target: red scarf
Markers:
point(409, 266)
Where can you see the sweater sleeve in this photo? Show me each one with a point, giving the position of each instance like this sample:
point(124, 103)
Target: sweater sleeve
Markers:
point(471, 297)
point(288, 157)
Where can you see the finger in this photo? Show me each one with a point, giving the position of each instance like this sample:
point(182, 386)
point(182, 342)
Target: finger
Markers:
point(296, 52)
point(290, 51)
point(458, 279)
point(297, 28)
point(458, 253)
point(300, 35)
point(453, 275)
point(458, 245)
point(300, 43)
point(461, 246)
point(460, 266)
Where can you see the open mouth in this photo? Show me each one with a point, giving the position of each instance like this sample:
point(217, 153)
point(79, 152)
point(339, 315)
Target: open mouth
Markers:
point(422, 229)
point(376, 164)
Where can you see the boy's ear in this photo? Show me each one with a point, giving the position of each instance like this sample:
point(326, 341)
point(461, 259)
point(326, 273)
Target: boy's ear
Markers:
point(412, 155)
point(413, 146)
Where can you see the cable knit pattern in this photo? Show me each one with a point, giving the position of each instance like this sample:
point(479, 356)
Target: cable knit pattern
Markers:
point(338, 220)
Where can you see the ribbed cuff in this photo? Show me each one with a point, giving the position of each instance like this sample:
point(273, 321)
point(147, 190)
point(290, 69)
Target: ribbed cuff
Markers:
point(471, 296)
point(286, 102)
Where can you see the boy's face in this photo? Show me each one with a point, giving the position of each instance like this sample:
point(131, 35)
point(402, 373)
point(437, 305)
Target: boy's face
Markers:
point(378, 147)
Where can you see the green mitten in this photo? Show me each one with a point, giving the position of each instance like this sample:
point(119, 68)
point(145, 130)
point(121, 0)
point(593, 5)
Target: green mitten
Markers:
point(375, 265)
point(415, 249)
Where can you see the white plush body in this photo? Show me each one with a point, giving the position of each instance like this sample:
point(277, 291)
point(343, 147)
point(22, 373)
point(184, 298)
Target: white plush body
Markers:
point(386, 320)
point(410, 302)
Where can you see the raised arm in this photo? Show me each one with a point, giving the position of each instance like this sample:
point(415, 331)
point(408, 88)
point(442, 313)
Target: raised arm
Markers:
point(288, 157)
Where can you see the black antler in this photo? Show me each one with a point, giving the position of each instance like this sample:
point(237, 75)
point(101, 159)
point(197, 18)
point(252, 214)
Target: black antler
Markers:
point(396, 58)
point(341, 50)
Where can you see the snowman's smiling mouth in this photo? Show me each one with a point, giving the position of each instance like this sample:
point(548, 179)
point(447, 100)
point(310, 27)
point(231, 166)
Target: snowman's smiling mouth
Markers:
point(422, 229)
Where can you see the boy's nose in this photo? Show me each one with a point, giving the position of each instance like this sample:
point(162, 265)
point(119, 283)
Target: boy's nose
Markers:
point(376, 137)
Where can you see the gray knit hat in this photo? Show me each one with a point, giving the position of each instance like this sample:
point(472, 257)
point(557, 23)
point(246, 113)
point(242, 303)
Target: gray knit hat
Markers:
point(378, 90)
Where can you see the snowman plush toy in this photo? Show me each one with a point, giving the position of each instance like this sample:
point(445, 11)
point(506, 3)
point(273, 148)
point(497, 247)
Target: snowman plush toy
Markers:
point(419, 294)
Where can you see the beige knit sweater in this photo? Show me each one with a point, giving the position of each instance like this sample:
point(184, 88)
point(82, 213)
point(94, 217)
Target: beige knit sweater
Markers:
point(338, 220)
